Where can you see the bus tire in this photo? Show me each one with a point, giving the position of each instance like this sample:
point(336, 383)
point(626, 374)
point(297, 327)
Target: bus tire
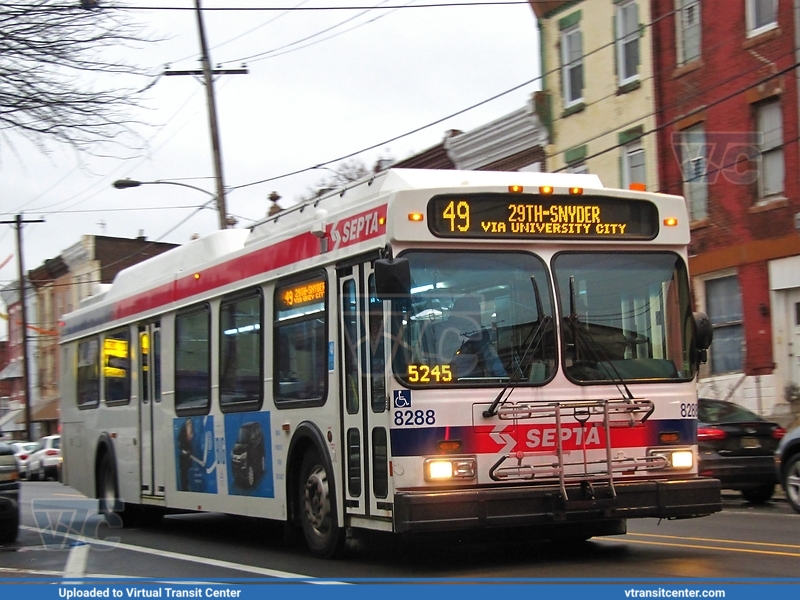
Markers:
point(317, 507)
point(116, 512)
point(759, 495)
point(9, 529)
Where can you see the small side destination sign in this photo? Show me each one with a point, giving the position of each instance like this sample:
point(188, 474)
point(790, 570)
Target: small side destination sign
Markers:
point(536, 216)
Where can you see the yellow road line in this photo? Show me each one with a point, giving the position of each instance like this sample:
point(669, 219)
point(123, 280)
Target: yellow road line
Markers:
point(625, 540)
point(699, 539)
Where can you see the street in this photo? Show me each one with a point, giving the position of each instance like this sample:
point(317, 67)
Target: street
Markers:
point(742, 541)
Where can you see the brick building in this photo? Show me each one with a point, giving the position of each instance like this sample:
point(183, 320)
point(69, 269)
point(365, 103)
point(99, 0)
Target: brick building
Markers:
point(727, 112)
point(57, 287)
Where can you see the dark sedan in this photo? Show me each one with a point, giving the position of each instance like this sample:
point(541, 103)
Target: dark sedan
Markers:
point(737, 446)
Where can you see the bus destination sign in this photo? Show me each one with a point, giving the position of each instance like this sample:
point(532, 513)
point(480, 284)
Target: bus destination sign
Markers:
point(301, 294)
point(536, 216)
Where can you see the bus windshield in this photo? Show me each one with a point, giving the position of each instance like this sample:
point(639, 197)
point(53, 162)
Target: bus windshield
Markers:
point(475, 318)
point(488, 319)
point(625, 316)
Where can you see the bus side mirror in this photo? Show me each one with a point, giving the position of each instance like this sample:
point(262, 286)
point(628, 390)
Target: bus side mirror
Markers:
point(703, 335)
point(703, 332)
point(392, 278)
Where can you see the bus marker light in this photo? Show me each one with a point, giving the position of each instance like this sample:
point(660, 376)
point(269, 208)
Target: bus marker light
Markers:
point(449, 445)
point(670, 222)
point(286, 427)
point(415, 216)
point(515, 189)
point(197, 275)
point(546, 190)
point(381, 221)
point(637, 186)
point(668, 437)
point(575, 191)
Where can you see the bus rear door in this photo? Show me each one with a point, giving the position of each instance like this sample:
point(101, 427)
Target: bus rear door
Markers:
point(152, 470)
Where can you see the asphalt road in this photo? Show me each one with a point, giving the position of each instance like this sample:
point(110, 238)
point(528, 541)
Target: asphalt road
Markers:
point(741, 541)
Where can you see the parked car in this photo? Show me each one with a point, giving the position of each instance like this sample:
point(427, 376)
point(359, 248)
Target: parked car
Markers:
point(787, 467)
point(248, 457)
point(737, 446)
point(22, 452)
point(9, 494)
point(45, 461)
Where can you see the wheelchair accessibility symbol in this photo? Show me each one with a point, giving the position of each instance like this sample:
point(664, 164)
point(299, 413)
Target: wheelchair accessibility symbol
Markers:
point(402, 398)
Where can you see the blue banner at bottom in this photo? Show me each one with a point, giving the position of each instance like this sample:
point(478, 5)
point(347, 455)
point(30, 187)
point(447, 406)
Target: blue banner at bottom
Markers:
point(249, 589)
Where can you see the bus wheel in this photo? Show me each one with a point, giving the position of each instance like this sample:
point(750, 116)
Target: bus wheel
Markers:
point(317, 509)
point(112, 508)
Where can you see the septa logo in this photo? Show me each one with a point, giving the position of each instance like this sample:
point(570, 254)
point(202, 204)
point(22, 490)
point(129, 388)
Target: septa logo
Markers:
point(572, 438)
point(358, 228)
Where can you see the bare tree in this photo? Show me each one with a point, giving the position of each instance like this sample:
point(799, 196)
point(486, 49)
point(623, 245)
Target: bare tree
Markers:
point(62, 75)
point(344, 173)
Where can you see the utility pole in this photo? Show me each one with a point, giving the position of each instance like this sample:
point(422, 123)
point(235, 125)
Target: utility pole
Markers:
point(208, 76)
point(19, 222)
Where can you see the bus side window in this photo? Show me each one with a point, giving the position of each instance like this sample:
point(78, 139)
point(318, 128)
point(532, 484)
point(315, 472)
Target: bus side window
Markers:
point(301, 341)
point(193, 360)
point(88, 376)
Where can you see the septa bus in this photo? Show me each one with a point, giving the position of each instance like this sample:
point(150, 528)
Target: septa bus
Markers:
point(421, 351)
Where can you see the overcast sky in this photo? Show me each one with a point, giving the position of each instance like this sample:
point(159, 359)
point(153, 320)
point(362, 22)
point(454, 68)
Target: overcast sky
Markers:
point(322, 84)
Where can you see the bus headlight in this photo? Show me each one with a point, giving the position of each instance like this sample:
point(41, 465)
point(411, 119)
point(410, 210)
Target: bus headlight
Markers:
point(682, 458)
point(449, 468)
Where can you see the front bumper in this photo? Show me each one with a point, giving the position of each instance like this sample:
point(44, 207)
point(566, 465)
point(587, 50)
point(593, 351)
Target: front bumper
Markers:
point(524, 506)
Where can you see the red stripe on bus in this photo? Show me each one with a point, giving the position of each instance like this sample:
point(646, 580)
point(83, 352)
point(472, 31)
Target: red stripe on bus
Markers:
point(265, 259)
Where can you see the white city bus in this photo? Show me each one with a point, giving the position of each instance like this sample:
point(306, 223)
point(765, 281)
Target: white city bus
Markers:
point(421, 351)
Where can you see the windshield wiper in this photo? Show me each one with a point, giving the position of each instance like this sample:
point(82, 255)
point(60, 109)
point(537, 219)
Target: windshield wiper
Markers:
point(580, 332)
point(519, 370)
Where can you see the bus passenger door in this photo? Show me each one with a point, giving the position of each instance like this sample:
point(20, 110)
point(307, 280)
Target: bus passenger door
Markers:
point(152, 470)
point(363, 397)
point(352, 331)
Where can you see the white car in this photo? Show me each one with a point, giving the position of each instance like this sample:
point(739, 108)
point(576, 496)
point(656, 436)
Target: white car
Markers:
point(22, 452)
point(45, 461)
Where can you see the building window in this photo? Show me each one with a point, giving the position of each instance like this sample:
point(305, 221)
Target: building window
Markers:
point(627, 42)
point(633, 166)
point(578, 168)
point(687, 17)
point(762, 15)
point(241, 372)
point(301, 355)
point(769, 124)
point(724, 305)
point(694, 163)
point(193, 361)
point(572, 61)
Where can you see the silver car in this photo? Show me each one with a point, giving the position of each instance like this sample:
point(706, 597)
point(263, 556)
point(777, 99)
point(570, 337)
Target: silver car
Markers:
point(22, 452)
point(45, 461)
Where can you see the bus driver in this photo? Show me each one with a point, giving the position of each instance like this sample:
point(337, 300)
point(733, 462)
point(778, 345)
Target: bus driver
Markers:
point(467, 344)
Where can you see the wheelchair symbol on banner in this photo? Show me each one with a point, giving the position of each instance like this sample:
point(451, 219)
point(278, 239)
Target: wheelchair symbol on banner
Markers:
point(402, 398)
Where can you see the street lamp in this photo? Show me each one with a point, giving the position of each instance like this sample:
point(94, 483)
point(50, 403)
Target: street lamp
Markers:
point(224, 220)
